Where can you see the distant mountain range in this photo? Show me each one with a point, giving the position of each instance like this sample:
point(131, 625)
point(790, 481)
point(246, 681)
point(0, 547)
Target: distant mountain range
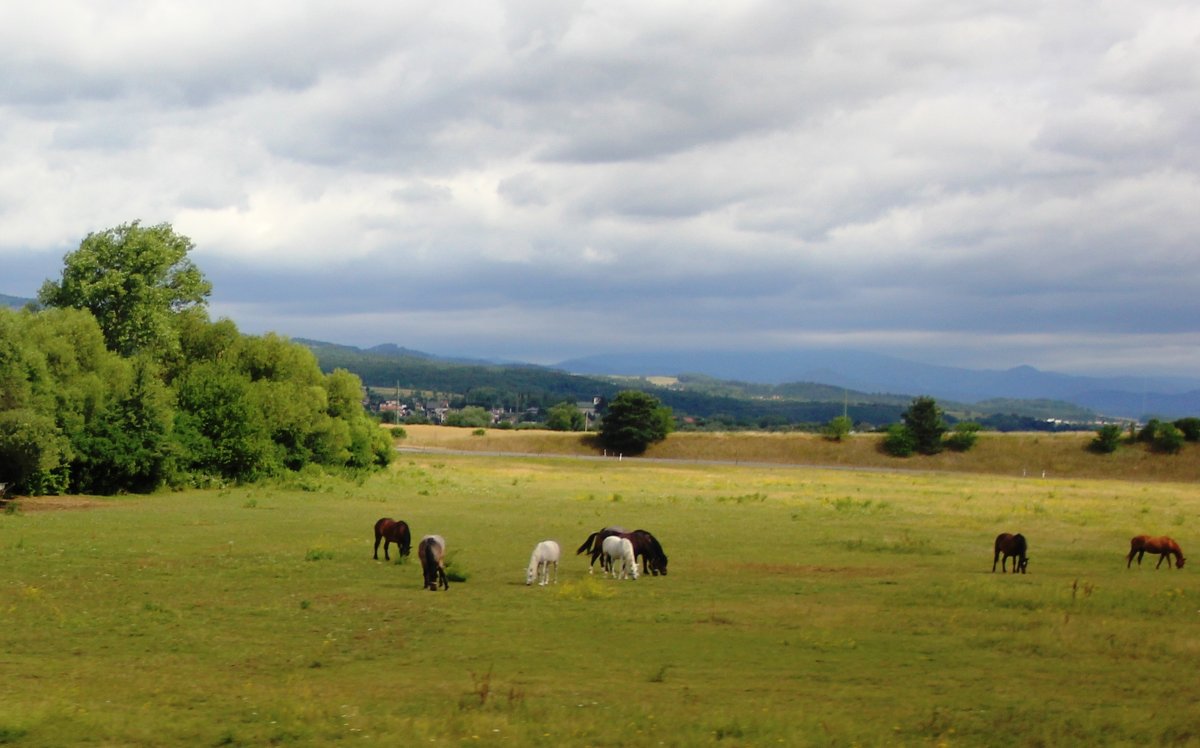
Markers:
point(16, 302)
point(1124, 397)
point(1128, 397)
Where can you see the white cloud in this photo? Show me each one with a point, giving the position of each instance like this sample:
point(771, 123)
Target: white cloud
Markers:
point(924, 174)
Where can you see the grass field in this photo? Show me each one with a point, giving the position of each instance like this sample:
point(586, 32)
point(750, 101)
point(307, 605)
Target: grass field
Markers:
point(803, 607)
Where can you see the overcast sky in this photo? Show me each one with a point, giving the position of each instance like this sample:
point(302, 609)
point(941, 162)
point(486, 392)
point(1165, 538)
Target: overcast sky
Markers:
point(982, 183)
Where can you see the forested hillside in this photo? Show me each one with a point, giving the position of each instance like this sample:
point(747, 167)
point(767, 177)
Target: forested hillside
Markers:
point(698, 402)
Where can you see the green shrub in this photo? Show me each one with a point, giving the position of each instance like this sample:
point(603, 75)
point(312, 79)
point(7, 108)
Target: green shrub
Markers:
point(899, 441)
point(838, 428)
point(1190, 428)
point(1167, 439)
point(1108, 438)
point(964, 436)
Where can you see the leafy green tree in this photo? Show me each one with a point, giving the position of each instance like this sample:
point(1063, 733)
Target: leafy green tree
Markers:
point(633, 421)
point(1108, 438)
point(923, 419)
point(129, 445)
point(565, 417)
point(33, 452)
point(135, 280)
point(963, 436)
point(838, 428)
point(219, 426)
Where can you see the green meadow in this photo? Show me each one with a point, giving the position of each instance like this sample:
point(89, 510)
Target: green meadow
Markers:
point(804, 606)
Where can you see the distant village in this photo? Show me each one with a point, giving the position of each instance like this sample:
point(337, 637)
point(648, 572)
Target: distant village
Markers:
point(440, 412)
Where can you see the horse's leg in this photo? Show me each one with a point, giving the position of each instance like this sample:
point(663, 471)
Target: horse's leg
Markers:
point(995, 559)
point(1161, 557)
point(377, 547)
point(386, 542)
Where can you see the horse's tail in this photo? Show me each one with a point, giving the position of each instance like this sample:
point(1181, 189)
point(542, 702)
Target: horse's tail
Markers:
point(587, 544)
point(429, 561)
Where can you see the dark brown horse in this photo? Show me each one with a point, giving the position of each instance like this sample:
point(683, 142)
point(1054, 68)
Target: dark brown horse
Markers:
point(432, 552)
point(1162, 545)
point(1011, 546)
point(594, 542)
point(392, 531)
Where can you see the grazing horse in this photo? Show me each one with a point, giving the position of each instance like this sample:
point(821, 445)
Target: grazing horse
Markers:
point(620, 549)
point(545, 556)
point(392, 531)
point(432, 552)
point(593, 543)
point(654, 560)
point(1163, 546)
point(1011, 546)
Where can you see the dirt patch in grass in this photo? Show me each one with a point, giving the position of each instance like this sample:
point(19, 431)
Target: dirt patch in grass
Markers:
point(56, 503)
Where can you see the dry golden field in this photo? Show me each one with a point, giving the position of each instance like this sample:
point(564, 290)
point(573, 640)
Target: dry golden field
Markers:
point(1064, 455)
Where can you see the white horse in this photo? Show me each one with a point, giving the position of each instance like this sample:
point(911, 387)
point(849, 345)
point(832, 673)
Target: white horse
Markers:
point(545, 555)
point(620, 549)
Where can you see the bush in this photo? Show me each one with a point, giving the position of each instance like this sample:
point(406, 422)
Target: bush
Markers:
point(1190, 428)
point(838, 428)
point(398, 432)
point(1167, 439)
point(899, 441)
point(964, 436)
point(1108, 438)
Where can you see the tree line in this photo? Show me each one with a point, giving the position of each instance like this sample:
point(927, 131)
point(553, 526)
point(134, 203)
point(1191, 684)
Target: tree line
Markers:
point(117, 381)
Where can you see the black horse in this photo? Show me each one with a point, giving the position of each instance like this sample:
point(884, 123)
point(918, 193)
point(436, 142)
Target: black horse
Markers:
point(392, 531)
point(1010, 546)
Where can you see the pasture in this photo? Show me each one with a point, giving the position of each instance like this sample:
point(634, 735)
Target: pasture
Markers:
point(803, 607)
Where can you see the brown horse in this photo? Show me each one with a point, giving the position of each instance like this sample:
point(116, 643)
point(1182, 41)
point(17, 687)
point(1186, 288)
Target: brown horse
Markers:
point(1011, 546)
point(1163, 546)
point(432, 552)
point(392, 531)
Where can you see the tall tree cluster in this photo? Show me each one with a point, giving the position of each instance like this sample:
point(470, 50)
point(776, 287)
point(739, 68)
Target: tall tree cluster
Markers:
point(120, 382)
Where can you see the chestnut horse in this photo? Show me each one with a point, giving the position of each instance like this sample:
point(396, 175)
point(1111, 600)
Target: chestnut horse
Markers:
point(1163, 546)
point(432, 552)
point(392, 531)
point(1011, 546)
